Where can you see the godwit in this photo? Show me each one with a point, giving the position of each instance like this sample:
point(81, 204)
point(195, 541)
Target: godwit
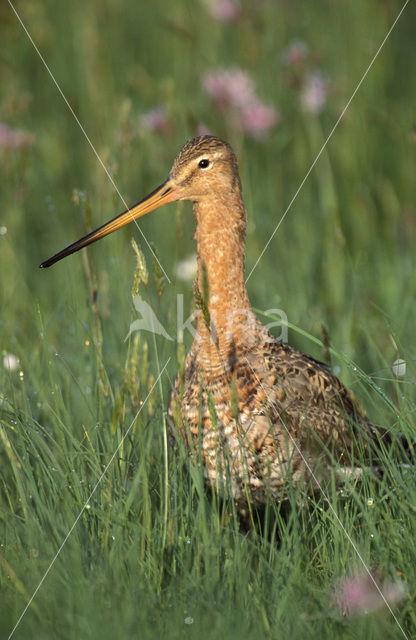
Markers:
point(258, 412)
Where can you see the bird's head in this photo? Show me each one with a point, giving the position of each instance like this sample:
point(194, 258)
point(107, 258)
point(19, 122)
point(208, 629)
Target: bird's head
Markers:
point(203, 166)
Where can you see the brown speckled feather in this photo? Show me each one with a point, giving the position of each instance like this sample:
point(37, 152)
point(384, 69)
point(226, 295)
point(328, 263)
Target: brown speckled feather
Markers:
point(271, 404)
point(260, 413)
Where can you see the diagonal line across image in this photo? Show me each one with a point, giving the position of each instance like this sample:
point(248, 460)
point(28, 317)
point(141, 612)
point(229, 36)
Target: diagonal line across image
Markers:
point(319, 485)
point(88, 500)
point(289, 206)
point(86, 136)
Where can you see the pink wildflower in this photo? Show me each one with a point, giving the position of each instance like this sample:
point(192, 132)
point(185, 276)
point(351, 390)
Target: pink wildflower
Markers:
point(295, 54)
point(314, 92)
point(14, 138)
point(233, 93)
point(225, 10)
point(359, 594)
point(156, 120)
point(257, 118)
point(229, 88)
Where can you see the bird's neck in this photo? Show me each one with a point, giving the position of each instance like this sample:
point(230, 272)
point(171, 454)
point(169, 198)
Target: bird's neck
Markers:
point(223, 307)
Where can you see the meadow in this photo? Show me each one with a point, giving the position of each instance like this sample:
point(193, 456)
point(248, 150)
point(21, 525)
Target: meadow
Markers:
point(113, 525)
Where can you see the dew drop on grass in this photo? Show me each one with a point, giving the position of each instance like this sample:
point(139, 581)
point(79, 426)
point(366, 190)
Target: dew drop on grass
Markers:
point(399, 368)
point(336, 370)
point(10, 362)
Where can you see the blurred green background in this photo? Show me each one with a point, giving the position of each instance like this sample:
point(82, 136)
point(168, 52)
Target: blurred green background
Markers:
point(154, 552)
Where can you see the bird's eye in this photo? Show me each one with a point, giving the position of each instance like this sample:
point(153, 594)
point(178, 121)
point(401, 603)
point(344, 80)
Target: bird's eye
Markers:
point(204, 163)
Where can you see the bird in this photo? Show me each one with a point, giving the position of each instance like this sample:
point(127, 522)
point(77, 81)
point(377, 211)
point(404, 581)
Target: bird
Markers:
point(259, 414)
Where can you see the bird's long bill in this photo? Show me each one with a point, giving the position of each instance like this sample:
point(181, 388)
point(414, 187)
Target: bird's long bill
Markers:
point(160, 196)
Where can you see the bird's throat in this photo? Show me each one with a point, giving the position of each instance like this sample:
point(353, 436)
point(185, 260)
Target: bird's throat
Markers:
point(223, 307)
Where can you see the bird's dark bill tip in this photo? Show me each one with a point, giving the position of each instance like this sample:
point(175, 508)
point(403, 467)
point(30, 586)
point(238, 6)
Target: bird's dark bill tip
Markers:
point(50, 261)
point(45, 264)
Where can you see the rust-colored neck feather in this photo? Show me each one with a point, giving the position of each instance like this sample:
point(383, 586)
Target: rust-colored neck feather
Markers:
point(220, 235)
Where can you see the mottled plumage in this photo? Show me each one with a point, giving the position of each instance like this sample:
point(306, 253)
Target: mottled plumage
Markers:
point(249, 405)
point(259, 414)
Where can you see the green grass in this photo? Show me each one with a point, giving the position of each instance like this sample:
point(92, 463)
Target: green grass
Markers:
point(154, 548)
